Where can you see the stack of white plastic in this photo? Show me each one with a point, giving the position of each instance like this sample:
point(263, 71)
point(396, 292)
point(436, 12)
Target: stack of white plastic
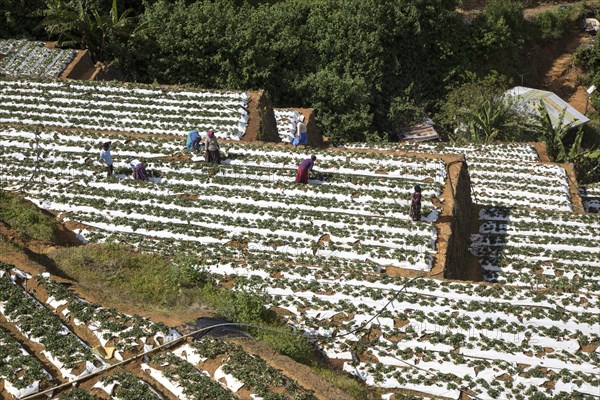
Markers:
point(286, 124)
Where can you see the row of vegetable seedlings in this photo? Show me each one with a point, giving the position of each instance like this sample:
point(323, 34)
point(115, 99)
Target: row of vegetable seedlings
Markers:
point(590, 194)
point(123, 108)
point(437, 337)
point(21, 373)
point(28, 58)
point(182, 371)
point(119, 385)
point(348, 162)
point(63, 349)
point(538, 248)
point(507, 174)
point(128, 335)
point(501, 151)
point(358, 225)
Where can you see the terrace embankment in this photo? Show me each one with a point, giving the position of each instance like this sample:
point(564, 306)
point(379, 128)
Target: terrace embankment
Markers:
point(301, 373)
point(81, 68)
point(261, 119)
point(454, 223)
point(578, 207)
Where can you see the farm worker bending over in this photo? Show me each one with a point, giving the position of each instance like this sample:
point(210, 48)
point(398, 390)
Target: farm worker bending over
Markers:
point(415, 204)
point(193, 141)
point(106, 158)
point(304, 169)
point(301, 134)
point(212, 148)
point(139, 172)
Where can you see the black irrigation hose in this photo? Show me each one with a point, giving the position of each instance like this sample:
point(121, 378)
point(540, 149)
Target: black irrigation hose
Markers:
point(163, 346)
point(376, 314)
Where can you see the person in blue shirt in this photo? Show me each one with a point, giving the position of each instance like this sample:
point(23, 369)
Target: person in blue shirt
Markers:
point(301, 134)
point(193, 141)
point(106, 158)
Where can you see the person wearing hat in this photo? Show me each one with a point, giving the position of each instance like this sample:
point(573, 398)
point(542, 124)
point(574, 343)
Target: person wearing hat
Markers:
point(193, 141)
point(304, 169)
point(415, 204)
point(106, 158)
point(213, 154)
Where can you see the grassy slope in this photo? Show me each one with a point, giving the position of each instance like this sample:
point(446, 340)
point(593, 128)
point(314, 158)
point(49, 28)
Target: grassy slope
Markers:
point(26, 219)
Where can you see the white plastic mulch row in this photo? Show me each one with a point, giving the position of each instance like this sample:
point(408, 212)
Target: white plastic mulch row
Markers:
point(121, 108)
point(26, 58)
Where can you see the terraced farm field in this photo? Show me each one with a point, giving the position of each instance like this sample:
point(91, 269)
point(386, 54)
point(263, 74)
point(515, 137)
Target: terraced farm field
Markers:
point(27, 58)
point(591, 197)
point(51, 332)
point(505, 174)
point(352, 213)
point(119, 108)
point(338, 259)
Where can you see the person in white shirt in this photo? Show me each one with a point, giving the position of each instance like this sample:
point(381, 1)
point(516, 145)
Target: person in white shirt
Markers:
point(106, 158)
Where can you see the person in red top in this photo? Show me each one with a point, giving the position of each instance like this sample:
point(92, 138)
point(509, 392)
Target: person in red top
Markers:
point(415, 204)
point(304, 169)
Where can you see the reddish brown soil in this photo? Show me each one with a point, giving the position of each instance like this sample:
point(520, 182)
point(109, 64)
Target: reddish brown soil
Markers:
point(574, 189)
point(542, 151)
point(253, 127)
point(562, 75)
point(443, 224)
point(81, 67)
point(590, 347)
point(472, 270)
point(299, 372)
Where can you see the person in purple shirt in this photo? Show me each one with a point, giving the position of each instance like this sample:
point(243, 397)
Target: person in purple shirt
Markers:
point(304, 169)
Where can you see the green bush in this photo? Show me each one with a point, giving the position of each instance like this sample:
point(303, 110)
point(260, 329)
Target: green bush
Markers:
point(187, 273)
point(292, 345)
point(552, 25)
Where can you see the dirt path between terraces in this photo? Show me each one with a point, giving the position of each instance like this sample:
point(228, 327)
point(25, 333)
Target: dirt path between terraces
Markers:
point(562, 75)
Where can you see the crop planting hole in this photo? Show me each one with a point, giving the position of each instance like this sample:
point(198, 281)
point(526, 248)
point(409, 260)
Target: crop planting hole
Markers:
point(324, 238)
